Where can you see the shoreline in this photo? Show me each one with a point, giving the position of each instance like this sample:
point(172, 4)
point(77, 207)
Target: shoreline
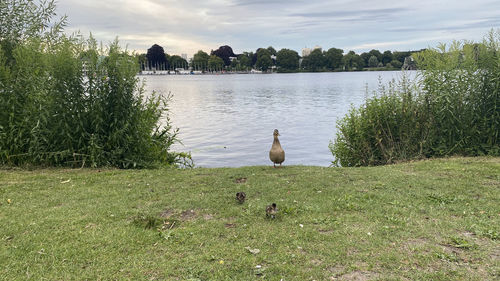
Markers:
point(166, 73)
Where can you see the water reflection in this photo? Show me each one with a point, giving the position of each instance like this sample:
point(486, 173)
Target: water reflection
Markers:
point(228, 120)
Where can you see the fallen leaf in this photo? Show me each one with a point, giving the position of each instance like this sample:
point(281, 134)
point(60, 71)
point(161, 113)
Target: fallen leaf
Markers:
point(253, 251)
point(66, 181)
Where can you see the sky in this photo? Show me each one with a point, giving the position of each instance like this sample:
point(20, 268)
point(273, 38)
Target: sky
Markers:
point(186, 26)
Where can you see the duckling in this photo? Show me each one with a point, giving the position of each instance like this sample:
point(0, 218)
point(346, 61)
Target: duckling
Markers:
point(240, 196)
point(276, 154)
point(271, 210)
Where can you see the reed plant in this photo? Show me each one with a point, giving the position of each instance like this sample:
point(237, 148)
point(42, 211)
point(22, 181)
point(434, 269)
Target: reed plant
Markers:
point(65, 101)
point(73, 103)
point(450, 108)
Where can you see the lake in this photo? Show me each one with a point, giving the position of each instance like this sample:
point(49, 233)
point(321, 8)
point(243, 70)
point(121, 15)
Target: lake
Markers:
point(228, 120)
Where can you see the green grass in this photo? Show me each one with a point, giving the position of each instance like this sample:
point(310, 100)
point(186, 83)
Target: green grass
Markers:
point(428, 220)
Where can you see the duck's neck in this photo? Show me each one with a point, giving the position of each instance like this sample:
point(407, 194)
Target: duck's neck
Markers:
point(276, 140)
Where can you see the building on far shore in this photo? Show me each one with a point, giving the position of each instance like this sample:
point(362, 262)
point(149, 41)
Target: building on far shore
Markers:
point(307, 51)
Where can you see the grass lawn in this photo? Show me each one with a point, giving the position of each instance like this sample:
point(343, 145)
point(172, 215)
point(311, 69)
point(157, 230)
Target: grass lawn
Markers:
point(427, 220)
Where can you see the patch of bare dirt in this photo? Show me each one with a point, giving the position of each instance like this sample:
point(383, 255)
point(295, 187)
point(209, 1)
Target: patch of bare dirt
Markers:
point(188, 215)
point(336, 270)
point(358, 276)
point(316, 262)
point(325, 231)
point(451, 249)
point(241, 180)
point(208, 216)
point(91, 225)
point(491, 183)
point(167, 213)
point(495, 254)
point(468, 234)
point(413, 244)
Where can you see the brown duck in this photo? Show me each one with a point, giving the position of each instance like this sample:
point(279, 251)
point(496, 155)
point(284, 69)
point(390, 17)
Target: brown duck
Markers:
point(276, 154)
point(271, 210)
point(240, 196)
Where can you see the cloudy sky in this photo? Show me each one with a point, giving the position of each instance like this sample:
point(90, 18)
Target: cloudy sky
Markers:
point(186, 26)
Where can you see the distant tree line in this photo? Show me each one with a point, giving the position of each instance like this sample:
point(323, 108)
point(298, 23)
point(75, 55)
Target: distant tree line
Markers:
point(157, 59)
point(284, 60)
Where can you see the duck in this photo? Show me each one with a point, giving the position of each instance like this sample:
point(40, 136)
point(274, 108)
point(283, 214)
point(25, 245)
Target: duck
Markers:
point(271, 210)
point(240, 196)
point(276, 154)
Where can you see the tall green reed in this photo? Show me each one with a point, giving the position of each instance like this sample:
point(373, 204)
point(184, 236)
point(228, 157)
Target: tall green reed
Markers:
point(72, 103)
point(452, 107)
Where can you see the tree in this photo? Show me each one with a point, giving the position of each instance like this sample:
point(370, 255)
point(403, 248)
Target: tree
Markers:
point(358, 62)
point(215, 63)
point(287, 59)
point(156, 57)
point(376, 53)
point(200, 60)
point(245, 60)
point(272, 51)
point(373, 61)
point(387, 57)
point(314, 61)
point(334, 58)
point(224, 52)
point(396, 64)
point(256, 55)
point(264, 61)
point(400, 56)
point(235, 64)
point(142, 60)
point(353, 61)
point(365, 57)
point(177, 62)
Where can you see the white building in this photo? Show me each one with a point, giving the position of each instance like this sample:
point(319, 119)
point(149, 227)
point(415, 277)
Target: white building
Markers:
point(307, 51)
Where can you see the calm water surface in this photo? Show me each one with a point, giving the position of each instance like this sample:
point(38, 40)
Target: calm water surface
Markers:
point(228, 120)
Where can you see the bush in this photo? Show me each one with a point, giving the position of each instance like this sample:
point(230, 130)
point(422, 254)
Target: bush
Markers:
point(451, 108)
point(396, 64)
point(73, 104)
point(387, 128)
point(462, 86)
point(66, 102)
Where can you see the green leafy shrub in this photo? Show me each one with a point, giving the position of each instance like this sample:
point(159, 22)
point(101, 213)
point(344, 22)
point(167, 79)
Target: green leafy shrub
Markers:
point(462, 85)
point(388, 127)
point(452, 107)
point(67, 102)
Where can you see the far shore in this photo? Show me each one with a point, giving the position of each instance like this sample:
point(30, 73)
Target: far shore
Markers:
point(163, 72)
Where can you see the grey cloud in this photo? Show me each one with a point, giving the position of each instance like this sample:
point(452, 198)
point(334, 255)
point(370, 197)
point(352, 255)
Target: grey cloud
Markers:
point(486, 23)
point(247, 24)
point(266, 2)
point(352, 13)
